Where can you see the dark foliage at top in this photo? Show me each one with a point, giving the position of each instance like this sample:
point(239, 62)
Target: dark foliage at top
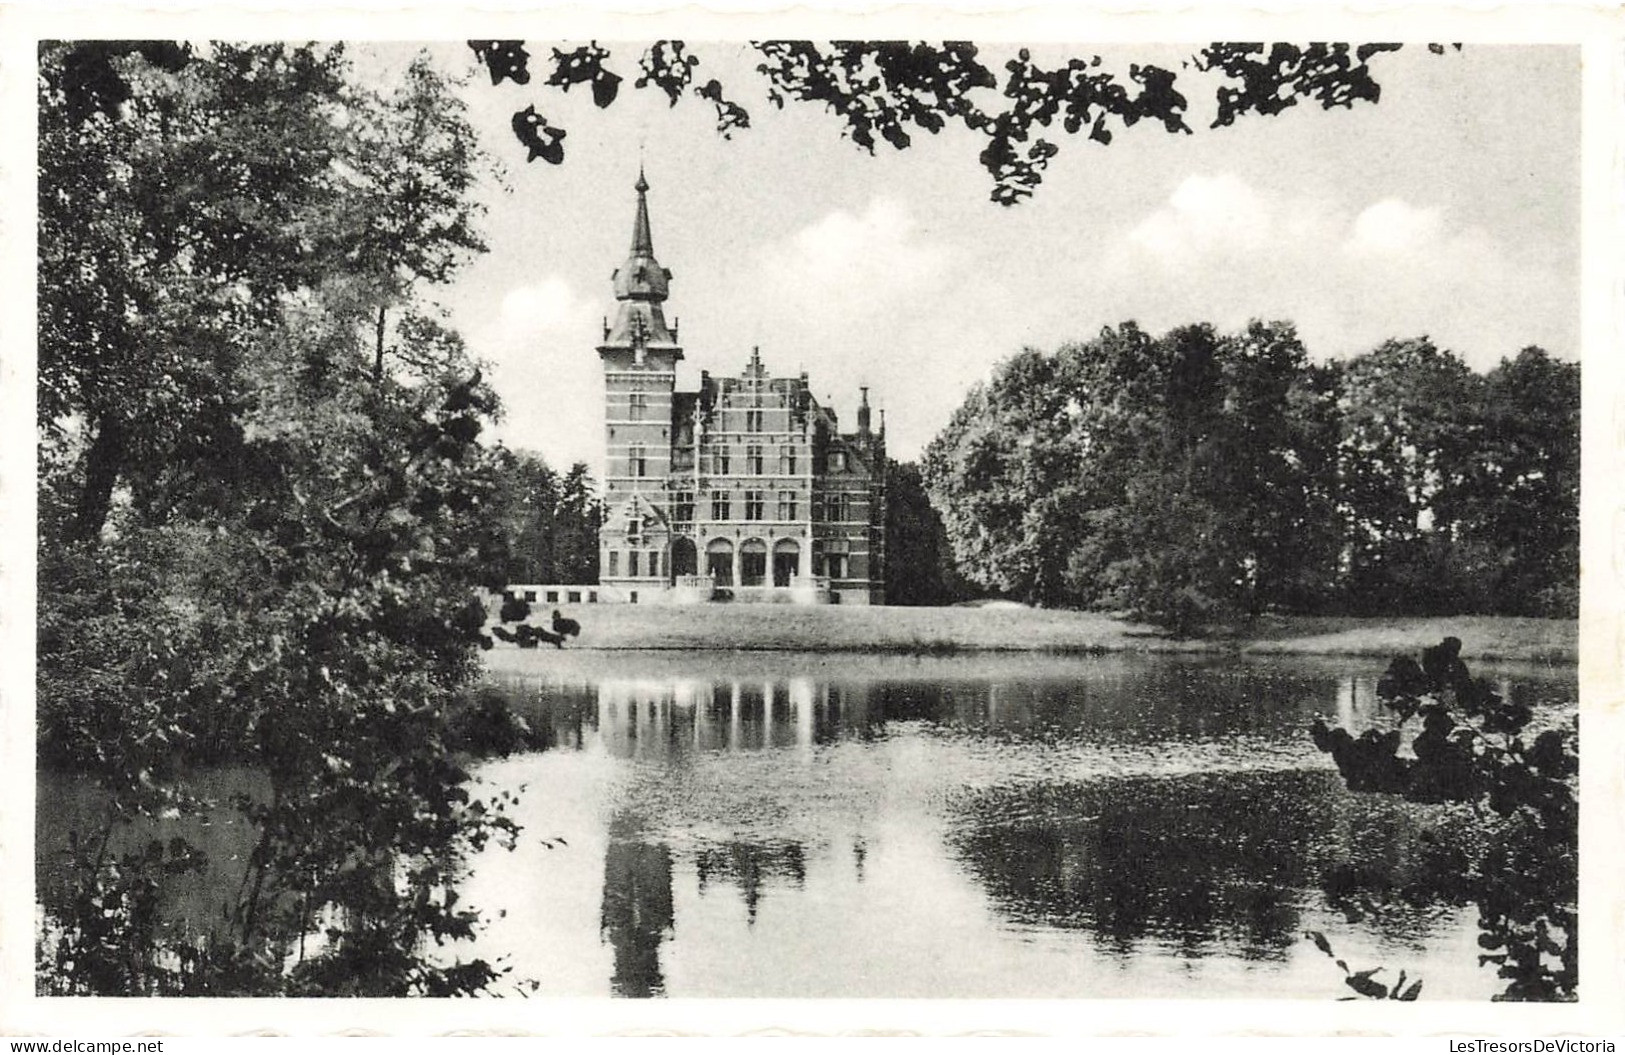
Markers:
point(889, 91)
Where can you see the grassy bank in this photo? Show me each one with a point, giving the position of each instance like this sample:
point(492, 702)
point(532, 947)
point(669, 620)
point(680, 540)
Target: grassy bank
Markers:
point(945, 631)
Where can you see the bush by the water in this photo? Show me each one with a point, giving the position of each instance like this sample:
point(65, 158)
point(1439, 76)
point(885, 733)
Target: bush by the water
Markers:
point(1518, 772)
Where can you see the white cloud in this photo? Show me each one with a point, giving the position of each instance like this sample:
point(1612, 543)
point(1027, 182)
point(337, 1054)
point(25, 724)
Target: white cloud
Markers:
point(1392, 226)
point(1204, 214)
point(1350, 275)
point(861, 262)
point(541, 348)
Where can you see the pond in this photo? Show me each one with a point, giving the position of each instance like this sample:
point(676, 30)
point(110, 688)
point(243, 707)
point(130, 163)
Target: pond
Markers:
point(798, 825)
point(785, 825)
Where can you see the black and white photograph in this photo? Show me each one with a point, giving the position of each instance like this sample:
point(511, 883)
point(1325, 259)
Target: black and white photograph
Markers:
point(604, 521)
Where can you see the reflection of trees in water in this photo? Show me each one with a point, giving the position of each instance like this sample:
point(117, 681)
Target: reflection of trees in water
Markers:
point(1202, 861)
point(637, 910)
point(1174, 699)
point(190, 905)
point(748, 864)
point(1118, 698)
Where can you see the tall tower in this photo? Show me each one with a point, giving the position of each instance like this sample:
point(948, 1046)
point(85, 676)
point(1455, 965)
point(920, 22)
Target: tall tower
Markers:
point(640, 354)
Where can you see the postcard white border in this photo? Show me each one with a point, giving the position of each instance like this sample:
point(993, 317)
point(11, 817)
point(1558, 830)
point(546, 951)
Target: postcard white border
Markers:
point(1600, 32)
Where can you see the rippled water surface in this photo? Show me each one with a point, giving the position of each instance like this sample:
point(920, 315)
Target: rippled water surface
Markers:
point(789, 825)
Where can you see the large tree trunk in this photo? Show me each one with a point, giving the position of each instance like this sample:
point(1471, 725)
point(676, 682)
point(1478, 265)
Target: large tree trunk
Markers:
point(102, 464)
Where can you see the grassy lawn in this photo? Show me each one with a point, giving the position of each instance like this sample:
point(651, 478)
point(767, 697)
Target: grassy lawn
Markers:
point(928, 631)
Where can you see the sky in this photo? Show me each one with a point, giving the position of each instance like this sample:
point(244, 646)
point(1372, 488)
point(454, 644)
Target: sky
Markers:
point(1451, 210)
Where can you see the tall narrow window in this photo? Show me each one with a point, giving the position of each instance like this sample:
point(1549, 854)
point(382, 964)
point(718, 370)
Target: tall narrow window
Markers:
point(787, 505)
point(753, 461)
point(719, 506)
point(753, 505)
point(722, 461)
point(682, 509)
point(753, 420)
point(614, 563)
point(654, 563)
point(638, 461)
point(632, 563)
point(787, 461)
point(636, 405)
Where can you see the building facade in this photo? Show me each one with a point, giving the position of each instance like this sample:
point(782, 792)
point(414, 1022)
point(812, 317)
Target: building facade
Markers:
point(745, 490)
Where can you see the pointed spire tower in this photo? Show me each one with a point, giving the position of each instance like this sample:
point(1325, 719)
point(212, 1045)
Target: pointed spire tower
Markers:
point(639, 354)
point(641, 287)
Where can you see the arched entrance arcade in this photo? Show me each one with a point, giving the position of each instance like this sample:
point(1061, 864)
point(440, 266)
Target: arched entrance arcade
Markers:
point(719, 561)
point(786, 561)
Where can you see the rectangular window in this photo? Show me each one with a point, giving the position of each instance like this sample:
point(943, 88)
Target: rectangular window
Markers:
point(753, 421)
point(638, 461)
point(530, 595)
point(574, 596)
point(553, 595)
point(636, 405)
point(753, 461)
point(837, 461)
point(753, 505)
point(836, 565)
point(836, 508)
point(614, 564)
point(682, 511)
point(722, 461)
point(787, 505)
point(787, 461)
point(719, 506)
point(632, 563)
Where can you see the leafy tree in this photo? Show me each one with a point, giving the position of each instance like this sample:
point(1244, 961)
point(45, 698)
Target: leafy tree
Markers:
point(414, 164)
point(1006, 495)
point(550, 521)
point(1519, 771)
point(1181, 479)
point(919, 567)
point(1410, 429)
point(254, 546)
point(165, 229)
point(892, 91)
point(1521, 499)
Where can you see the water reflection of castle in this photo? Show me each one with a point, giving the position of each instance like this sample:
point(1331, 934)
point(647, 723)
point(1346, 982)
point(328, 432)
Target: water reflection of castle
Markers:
point(652, 718)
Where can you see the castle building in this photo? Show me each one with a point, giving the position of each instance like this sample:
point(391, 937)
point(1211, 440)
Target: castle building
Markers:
point(745, 490)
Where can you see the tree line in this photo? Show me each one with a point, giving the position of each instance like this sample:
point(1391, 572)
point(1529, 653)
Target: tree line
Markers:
point(1200, 476)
